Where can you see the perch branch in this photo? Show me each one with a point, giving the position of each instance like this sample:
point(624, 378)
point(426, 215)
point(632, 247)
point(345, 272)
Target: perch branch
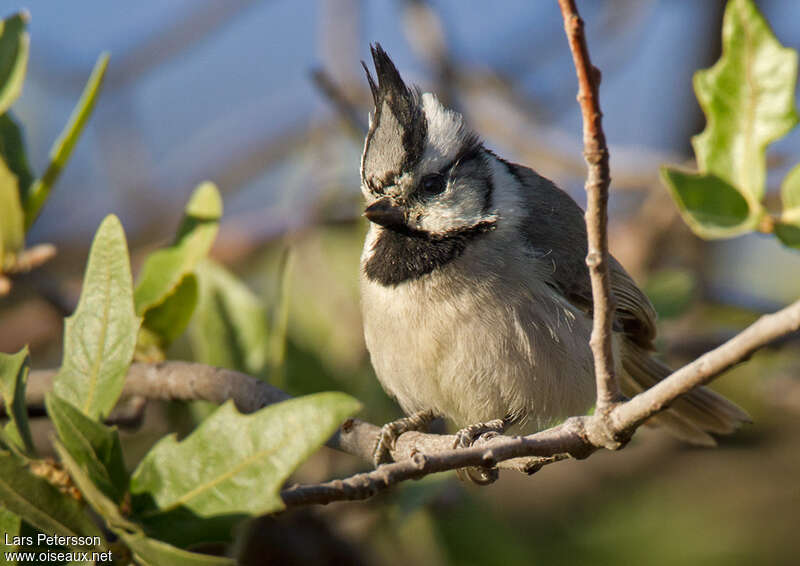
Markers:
point(597, 181)
point(417, 454)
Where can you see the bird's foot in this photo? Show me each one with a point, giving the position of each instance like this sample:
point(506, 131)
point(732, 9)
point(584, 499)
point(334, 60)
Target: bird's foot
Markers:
point(391, 431)
point(467, 436)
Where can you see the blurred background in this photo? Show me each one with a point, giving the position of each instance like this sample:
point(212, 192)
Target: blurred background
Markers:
point(268, 100)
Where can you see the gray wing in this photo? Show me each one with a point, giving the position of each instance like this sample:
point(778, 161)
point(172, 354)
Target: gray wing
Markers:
point(556, 227)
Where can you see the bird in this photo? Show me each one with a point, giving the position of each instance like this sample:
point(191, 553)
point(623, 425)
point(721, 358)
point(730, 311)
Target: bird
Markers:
point(475, 295)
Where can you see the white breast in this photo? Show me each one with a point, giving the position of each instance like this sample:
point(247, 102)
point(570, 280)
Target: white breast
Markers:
point(480, 339)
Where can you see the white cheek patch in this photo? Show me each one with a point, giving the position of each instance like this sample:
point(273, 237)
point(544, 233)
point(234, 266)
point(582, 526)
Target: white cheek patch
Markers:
point(458, 208)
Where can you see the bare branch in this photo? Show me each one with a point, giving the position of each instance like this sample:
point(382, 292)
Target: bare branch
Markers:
point(597, 182)
point(417, 454)
point(346, 109)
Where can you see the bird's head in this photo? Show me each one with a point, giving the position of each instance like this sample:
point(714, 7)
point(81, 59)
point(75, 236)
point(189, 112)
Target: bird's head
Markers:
point(424, 174)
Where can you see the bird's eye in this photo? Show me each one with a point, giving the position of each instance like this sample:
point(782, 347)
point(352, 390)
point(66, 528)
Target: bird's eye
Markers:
point(432, 185)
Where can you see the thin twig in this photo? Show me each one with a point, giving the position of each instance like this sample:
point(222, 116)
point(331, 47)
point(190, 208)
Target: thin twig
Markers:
point(597, 182)
point(347, 110)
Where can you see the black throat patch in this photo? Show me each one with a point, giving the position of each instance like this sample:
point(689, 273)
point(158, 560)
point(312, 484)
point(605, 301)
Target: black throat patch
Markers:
point(403, 256)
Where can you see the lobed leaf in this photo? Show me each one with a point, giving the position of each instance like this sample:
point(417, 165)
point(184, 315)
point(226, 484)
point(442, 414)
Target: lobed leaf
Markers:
point(62, 149)
point(232, 466)
point(166, 293)
point(13, 380)
point(93, 446)
point(39, 503)
point(14, 48)
point(100, 336)
point(748, 98)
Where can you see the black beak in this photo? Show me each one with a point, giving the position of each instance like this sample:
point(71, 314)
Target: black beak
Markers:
point(386, 213)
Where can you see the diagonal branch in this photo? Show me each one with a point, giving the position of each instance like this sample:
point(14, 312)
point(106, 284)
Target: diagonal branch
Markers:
point(597, 181)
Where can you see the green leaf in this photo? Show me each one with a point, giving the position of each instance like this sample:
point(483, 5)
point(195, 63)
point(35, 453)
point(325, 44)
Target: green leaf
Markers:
point(93, 445)
point(238, 465)
point(100, 336)
point(12, 220)
point(231, 326)
point(162, 280)
point(788, 227)
point(13, 379)
point(165, 322)
point(14, 45)
point(748, 98)
point(62, 149)
point(9, 527)
point(709, 205)
point(94, 495)
point(12, 151)
point(151, 552)
point(39, 503)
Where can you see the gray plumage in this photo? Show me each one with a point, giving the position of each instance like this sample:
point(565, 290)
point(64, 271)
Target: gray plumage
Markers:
point(475, 293)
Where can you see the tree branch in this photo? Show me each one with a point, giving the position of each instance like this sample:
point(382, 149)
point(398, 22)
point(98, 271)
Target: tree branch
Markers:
point(417, 454)
point(597, 181)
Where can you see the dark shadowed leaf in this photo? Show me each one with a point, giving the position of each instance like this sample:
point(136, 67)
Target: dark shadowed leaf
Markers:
point(9, 525)
point(100, 336)
point(12, 151)
point(39, 503)
point(231, 325)
point(94, 446)
point(709, 205)
point(151, 552)
point(748, 98)
point(166, 321)
point(232, 464)
point(92, 493)
point(14, 44)
point(13, 379)
point(788, 228)
point(62, 149)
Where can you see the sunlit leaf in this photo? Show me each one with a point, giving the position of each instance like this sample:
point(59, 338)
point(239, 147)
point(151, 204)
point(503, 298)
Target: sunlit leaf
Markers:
point(100, 336)
point(10, 526)
point(94, 446)
point(231, 325)
point(14, 46)
point(163, 277)
point(748, 98)
point(39, 503)
point(151, 552)
point(62, 149)
point(709, 205)
point(232, 466)
point(13, 380)
point(12, 219)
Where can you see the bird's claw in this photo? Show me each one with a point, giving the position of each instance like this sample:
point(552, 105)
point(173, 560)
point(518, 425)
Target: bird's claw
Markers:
point(466, 437)
point(390, 432)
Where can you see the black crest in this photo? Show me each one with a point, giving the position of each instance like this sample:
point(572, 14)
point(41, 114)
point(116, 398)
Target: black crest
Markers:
point(403, 103)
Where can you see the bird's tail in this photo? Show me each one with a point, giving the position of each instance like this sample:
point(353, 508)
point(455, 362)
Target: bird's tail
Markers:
point(692, 417)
